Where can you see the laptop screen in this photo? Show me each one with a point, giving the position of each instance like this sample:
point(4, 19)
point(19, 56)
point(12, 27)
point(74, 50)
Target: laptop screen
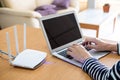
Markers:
point(61, 30)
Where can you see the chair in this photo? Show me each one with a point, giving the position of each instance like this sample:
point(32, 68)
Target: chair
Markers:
point(22, 11)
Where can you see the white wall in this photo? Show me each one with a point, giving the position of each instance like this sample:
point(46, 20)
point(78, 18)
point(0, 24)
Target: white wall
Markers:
point(91, 3)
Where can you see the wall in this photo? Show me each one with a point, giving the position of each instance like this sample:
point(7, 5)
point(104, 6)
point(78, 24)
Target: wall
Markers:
point(83, 4)
point(114, 5)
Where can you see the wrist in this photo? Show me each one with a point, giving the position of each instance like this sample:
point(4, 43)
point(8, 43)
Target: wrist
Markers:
point(87, 60)
point(87, 56)
point(111, 47)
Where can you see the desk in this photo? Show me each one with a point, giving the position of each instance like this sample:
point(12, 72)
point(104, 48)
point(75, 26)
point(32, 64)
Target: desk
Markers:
point(52, 69)
point(94, 18)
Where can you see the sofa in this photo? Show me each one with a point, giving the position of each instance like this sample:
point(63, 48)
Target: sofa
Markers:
point(22, 11)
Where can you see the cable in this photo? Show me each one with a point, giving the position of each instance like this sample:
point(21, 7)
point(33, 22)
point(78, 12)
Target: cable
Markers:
point(2, 52)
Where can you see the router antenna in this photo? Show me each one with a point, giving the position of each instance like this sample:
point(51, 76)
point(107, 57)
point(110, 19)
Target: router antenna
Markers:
point(16, 40)
point(24, 36)
point(8, 45)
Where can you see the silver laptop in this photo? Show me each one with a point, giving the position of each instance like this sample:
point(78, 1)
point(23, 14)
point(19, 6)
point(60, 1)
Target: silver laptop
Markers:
point(61, 31)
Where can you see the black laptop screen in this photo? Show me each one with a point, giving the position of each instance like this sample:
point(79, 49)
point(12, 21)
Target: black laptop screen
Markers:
point(61, 30)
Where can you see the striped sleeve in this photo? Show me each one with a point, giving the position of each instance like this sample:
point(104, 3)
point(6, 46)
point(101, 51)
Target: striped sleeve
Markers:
point(98, 71)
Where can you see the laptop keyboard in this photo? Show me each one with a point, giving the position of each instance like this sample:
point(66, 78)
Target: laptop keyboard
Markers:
point(64, 53)
point(87, 48)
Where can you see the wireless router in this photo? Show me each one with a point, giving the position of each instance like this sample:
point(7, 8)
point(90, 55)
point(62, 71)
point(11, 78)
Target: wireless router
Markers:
point(27, 58)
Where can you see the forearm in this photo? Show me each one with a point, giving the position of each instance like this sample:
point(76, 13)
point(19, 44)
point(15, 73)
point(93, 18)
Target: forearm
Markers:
point(111, 46)
point(114, 47)
point(114, 73)
point(95, 69)
point(99, 71)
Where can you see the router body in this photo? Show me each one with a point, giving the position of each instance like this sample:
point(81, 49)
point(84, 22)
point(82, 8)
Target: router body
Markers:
point(28, 58)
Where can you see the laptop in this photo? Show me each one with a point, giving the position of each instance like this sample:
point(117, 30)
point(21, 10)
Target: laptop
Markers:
point(61, 31)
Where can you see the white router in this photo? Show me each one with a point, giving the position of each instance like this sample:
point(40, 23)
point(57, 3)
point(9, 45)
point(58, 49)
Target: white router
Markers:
point(27, 58)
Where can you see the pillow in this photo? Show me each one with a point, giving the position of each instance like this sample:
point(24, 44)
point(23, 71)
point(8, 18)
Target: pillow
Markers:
point(61, 3)
point(44, 7)
point(46, 12)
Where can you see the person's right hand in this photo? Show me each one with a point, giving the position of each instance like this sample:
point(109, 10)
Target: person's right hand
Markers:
point(99, 45)
point(78, 52)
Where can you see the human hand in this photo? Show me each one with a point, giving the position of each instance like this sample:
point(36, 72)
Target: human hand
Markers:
point(99, 45)
point(78, 52)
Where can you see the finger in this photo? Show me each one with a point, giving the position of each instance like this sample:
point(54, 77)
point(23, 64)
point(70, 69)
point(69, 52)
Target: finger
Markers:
point(69, 53)
point(69, 49)
point(75, 44)
point(90, 39)
point(91, 46)
point(86, 43)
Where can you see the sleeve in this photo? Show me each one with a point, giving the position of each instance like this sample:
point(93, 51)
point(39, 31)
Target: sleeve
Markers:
point(98, 71)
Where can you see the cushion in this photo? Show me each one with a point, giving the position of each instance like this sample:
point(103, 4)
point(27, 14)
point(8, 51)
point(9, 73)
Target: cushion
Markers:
point(20, 4)
point(43, 2)
point(61, 3)
point(46, 12)
point(44, 7)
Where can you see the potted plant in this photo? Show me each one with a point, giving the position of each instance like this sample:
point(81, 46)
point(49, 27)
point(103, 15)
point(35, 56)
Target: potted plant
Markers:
point(106, 7)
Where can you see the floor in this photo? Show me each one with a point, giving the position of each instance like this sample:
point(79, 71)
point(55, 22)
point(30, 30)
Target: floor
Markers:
point(109, 36)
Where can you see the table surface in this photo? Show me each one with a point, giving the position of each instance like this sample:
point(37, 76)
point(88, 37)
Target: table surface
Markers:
point(52, 69)
point(94, 16)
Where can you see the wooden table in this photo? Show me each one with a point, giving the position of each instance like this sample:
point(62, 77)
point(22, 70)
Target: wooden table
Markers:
point(52, 69)
point(95, 18)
